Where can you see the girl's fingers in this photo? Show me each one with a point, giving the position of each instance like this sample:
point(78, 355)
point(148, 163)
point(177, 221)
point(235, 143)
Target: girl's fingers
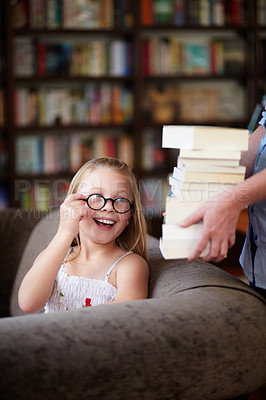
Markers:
point(74, 207)
point(74, 197)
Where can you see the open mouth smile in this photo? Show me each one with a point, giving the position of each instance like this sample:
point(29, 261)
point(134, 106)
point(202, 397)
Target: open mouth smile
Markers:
point(104, 222)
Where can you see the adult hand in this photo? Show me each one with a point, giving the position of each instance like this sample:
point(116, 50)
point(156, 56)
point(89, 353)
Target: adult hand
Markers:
point(219, 216)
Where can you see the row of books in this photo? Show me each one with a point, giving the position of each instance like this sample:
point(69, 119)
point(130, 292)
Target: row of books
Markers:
point(200, 12)
point(261, 12)
point(42, 194)
point(152, 155)
point(153, 191)
point(46, 193)
point(53, 154)
point(197, 102)
point(72, 14)
point(94, 104)
point(156, 12)
point(94, 57)
point(175, 56)
point(218, 12)
point(208, 163)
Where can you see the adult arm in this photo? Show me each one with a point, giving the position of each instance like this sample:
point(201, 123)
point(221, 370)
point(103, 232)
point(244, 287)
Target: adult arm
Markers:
point(220, 214)
point(248, 157)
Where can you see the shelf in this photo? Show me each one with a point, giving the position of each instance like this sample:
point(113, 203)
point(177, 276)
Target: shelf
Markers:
point(206, 77)
point(141, 118)
point(158, 126)
point(66, 78)
point(194, 28)
point(73, 32)
point(68, 128)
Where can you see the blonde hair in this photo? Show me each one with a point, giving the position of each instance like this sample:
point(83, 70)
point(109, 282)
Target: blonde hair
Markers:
point(133, 238)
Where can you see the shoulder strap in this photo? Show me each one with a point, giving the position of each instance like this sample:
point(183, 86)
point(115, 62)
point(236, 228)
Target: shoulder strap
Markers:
point(108, 273)
point(67, 254)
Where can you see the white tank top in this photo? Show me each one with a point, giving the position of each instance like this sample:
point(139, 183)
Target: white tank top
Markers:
point(71, 291)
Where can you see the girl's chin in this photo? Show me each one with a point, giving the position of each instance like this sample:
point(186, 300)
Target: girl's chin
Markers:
point(103, 235)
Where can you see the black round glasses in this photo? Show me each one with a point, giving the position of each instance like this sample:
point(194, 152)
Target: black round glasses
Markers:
point(97, 202)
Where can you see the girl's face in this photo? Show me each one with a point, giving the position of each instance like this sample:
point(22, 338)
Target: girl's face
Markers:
point(105, 225)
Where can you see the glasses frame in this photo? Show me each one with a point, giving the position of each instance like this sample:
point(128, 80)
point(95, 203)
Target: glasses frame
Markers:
point(105, 201)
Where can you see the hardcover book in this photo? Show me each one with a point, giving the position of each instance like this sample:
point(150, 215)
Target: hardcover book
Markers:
point(204, 137)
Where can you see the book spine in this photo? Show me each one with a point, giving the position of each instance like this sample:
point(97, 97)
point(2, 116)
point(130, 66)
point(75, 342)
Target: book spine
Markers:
point(146, 13)
point(179, 13)
point(41, 58)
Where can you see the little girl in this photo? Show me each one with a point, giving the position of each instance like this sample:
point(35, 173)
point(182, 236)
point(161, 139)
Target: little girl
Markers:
point(98, 254)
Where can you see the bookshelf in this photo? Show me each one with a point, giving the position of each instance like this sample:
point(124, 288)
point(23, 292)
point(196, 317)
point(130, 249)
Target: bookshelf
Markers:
point(104, 78)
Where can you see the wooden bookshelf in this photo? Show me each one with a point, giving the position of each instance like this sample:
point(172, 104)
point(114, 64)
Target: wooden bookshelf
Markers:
point(198, 85)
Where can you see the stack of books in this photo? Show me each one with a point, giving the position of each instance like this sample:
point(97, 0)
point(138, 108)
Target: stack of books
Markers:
point(208, 163)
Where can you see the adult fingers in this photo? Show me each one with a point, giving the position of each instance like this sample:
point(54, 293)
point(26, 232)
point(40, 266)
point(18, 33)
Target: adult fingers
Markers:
point(200, 247)
point(192, 219)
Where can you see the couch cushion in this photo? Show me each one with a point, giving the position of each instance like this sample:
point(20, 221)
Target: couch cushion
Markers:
point(38, 240)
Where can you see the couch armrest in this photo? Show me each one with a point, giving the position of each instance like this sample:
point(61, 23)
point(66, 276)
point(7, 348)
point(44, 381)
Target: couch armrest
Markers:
point(15, 228)
point(201, 343)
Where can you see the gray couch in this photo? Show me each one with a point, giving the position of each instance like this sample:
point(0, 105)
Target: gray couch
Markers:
point(201, 334)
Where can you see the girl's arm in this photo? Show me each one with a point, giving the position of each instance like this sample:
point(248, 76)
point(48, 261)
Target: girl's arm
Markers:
point(38, 283)
point(132, 279)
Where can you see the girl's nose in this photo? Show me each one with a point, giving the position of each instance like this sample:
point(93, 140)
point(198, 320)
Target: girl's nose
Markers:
point(108, 205)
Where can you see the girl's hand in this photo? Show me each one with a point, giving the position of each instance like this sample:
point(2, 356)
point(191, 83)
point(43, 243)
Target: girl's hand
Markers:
point(72, 210)
point(219, 216)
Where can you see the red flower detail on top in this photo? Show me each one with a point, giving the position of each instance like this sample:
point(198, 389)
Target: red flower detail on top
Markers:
point(87, 302)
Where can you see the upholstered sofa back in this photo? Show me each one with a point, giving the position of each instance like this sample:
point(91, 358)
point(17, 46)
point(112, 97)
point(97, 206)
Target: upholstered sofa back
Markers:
point(200, 334)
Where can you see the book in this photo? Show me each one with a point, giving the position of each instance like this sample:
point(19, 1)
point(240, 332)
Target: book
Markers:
point(23, 56)
point(210, 157)
point(179, 12)
point(28, 154)
point(197, 56)
point(234, 57)
point(204, 137)
point(176, 232)
point(196, 190)
point(177, 209)
point(178, 242)
point(207, 173)
point(146, 12)
point(162, 11)
point(176, 249)
point(209, 162)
